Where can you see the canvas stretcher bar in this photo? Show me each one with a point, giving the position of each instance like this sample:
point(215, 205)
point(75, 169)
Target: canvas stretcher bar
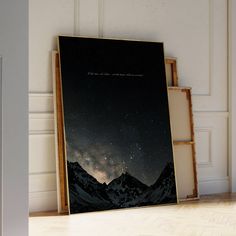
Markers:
point(171, 71)
point(185, 171)
point(180, 102)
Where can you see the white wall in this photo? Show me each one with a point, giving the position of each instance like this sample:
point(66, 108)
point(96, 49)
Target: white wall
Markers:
point(232, 88)
point(14, 117)
point(193, 31)
point(1, 190)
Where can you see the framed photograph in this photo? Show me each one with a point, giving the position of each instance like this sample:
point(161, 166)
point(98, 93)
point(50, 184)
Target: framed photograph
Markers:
point(117, 137)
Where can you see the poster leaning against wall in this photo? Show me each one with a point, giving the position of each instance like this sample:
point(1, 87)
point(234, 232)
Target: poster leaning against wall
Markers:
point(117, 130)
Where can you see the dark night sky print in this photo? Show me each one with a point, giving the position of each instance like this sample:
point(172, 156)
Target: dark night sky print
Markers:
point(115, 107)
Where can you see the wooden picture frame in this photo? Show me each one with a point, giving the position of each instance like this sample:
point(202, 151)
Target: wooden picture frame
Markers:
point(180, 103)
point(171, 71)
point(62, 197)
point(59, 137)
point(101, 149)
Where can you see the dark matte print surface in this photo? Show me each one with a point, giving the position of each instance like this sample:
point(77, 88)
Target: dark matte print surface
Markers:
point(119, 147)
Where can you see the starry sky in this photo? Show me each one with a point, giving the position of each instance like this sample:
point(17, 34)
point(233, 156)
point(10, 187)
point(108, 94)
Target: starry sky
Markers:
point(115, 107)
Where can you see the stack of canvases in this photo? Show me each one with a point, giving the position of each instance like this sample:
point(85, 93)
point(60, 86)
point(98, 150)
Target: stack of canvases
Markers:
point(114, 145)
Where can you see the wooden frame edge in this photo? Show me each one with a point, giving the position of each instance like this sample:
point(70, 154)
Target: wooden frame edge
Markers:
point(191, 142)
point(59, 132)
point(64, 206)
point(174, 75)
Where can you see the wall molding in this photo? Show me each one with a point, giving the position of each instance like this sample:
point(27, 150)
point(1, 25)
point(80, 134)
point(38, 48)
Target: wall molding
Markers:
point(211, 20)
point(86, 18)
point(76, 17)
point(209, 162)
point(42, 157)
point(43, 201)
point(232, 90)
point(211, 52)
point(42, 173)
point(41, 124)
point(40, 116)
point(40, 102)
point(100, 17)
point(42, 182)
point(40, 94)
point(210, 45)
point(90, 19)
point(211, 114)
point(218, 74)
point(43, 132)
point(214, 185)
point(43, 103)
point(213, 149)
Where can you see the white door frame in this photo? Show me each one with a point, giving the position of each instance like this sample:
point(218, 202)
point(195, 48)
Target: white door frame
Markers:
point(14, 118)
point(232, 92)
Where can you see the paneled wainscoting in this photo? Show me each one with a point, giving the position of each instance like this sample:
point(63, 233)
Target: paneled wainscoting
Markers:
point(198, 40)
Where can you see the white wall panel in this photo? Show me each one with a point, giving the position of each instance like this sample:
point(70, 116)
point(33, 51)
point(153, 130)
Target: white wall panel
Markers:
point(41, 102)
point(196, 33)
point(203, 138)
point(41, 123)
point(41, 153)
point(42, 169)
point(193, 31)
point(87, 23)
point(43, 201)
point(214, 185)
point(47, 19)
point(42, 182)
point(212, 151)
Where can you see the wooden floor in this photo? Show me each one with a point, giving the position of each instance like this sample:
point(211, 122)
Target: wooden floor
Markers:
point(212, 215)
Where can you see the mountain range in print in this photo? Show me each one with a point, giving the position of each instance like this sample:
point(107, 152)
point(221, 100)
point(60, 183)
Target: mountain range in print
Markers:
point(87, 194)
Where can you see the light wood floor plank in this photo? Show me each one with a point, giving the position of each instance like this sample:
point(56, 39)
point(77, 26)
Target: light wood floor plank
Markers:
point(212, 215)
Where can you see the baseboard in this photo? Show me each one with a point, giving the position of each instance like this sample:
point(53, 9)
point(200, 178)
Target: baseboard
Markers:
point(212, 186)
